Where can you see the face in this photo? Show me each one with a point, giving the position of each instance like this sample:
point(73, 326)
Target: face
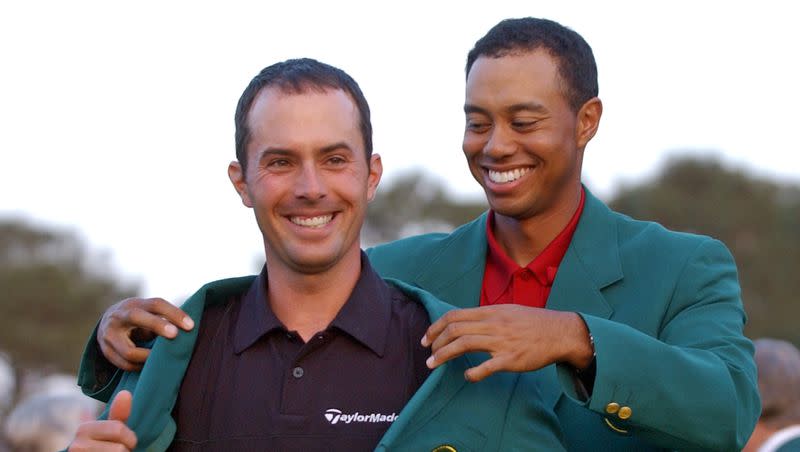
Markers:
point(523, 142)
point(308, 179)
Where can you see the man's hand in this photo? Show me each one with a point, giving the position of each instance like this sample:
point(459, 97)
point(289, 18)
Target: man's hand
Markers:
point(518, 338)
point(137, 319)
point(110, 435)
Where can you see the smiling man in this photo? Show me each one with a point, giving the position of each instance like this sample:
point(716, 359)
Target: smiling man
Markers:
point(317, 352)
point(639, 329)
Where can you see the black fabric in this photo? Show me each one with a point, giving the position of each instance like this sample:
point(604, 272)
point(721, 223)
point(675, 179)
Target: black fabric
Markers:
point(253, 385)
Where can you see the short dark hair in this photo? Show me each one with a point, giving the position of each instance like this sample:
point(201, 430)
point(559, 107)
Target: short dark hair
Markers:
point(297, 76)
point(576, 64)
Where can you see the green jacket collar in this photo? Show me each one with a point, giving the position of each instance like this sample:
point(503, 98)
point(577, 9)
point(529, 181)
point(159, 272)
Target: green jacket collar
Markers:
point(164, 370)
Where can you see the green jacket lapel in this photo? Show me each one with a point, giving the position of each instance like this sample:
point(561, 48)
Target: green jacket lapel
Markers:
point(456, 273)
point(438, 389)
point(591, 263)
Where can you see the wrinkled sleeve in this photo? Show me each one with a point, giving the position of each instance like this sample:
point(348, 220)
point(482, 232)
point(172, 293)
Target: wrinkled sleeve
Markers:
point(97, 377)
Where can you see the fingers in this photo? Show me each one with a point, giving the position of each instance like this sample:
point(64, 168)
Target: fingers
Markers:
point(459, 346)
point(110, 435)
point(135, 319)
point(485, 369)
point(122, 352)
point(103, 436)
point(151, 314)
point(454, 316)
point(121, 407)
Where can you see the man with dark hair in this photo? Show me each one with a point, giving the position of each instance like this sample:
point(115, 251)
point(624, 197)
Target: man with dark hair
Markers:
point(636, 330)
point(317, 352)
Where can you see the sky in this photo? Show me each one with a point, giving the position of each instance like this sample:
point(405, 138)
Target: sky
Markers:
point(116, 118)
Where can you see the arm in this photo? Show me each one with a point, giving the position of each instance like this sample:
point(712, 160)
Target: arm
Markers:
point(690, 383)
point(692, 386)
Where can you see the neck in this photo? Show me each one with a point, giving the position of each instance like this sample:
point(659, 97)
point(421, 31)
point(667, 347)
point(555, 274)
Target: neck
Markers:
point(308, 303)
point(525, 238)
point(760, 435)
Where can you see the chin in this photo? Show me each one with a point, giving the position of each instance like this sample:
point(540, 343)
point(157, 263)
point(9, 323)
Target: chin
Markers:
point(313, 265)
point(518, 209)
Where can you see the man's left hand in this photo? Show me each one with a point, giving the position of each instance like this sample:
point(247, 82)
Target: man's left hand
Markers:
point(518, 338)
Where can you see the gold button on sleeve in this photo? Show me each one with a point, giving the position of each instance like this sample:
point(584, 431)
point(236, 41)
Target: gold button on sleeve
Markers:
point(625, 412)
point(612, 408)
point(444, 448)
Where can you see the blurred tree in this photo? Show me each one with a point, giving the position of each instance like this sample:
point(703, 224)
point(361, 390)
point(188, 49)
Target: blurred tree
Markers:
point(53, 294)
point(758, 219)
point(415, 203)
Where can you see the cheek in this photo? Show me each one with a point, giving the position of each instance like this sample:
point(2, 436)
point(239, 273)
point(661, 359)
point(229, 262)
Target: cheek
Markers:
point(472, 145)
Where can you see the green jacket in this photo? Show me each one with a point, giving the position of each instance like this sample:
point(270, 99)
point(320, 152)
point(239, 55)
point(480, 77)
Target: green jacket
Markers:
point(666, 315)
point(503, 413)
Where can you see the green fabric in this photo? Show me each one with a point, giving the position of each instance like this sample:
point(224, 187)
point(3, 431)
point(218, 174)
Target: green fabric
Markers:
point(666, 315)
point(502, 413)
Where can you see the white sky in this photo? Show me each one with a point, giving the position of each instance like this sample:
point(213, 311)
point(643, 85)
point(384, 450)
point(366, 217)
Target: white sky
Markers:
point(116, 118)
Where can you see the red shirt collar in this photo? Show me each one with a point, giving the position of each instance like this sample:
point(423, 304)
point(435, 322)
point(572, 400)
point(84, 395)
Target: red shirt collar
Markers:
point(500, 268)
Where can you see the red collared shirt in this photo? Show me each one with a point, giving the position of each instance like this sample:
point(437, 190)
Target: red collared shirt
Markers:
point(505, 282)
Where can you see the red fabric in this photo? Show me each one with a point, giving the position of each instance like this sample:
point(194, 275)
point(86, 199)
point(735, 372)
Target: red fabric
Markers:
point(505, 282)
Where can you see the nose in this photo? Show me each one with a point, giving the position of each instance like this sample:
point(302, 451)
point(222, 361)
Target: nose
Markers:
point(500, 143)
point(310, 183)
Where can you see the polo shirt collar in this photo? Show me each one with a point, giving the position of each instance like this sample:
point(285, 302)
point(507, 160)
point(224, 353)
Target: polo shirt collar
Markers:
point(365, 316)
point(255, 315)
point(501, 268)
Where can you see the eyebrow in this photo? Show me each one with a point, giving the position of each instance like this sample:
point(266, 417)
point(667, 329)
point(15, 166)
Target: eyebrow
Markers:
point(335, 147)
point(532, 107)
point(279, 151)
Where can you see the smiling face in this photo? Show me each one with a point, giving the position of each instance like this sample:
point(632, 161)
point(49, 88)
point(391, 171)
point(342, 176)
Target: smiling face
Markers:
point(308, 179)
point(523, 142)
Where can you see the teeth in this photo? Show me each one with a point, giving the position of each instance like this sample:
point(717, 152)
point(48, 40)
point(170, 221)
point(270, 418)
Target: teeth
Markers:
point(312, 222)
point(507, 176)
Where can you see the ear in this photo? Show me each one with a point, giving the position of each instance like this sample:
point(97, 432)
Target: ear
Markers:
point(239, 181)
point(375, 173)
point(588, 121)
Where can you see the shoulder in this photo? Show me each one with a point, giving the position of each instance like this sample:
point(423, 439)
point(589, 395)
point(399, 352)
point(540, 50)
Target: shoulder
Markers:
point(603, 228)
point(392, 258)
point(219, 291)
point(649, 238)
point(417, 299)
point(407, 308)
point(228, 286)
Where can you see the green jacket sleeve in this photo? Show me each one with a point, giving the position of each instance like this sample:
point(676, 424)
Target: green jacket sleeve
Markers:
point(692, 387)
point(97, 377)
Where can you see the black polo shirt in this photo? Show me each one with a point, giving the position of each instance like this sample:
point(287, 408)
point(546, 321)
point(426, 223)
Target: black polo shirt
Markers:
point(253, 385)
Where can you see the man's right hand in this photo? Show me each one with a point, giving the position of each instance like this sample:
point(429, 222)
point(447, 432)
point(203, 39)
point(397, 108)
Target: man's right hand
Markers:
point(136, 319)
point(110, 435)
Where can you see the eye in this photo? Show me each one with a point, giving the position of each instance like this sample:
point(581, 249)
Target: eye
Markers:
point(523, 124)
point(278, 163)
point(336, 160)
point(477, 126)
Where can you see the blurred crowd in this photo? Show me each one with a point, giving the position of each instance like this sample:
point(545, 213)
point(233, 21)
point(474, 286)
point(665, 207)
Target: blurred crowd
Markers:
point(40, 413)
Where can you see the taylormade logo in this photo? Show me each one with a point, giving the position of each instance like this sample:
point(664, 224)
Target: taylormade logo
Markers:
point(335, 416)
